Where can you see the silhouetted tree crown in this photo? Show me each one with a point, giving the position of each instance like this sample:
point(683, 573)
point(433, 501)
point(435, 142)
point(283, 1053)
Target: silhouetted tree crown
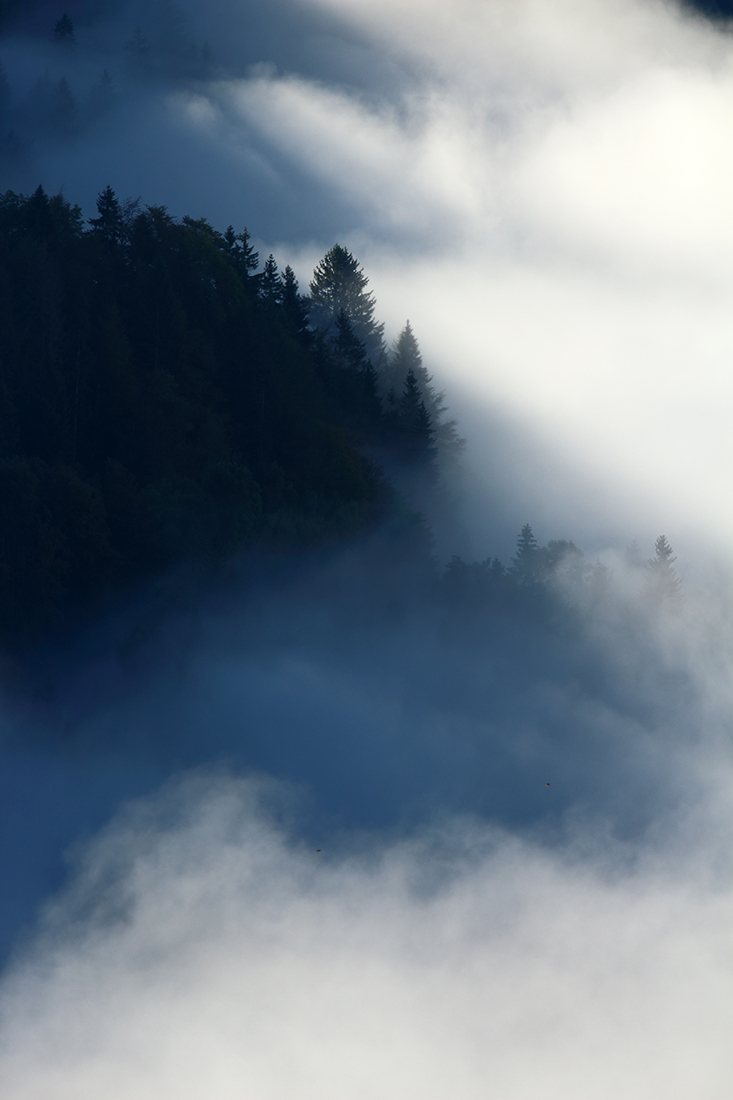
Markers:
point(340, 285)
point(406, 358)
point(662, 581)
point(162, 399)
point(63, 30)
point(526, 563)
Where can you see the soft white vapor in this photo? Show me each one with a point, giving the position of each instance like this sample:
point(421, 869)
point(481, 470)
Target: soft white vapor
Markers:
point(546, 197)
point(543, 188)
point(221, 959)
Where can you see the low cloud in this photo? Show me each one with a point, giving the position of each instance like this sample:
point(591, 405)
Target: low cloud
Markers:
point(202, 949)
point(544, 191)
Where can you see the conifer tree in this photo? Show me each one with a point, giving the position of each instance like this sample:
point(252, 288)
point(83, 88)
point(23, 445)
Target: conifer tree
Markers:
point(110, 224)
point(339, 283)
point(359, 383)
point(663, 582)
point(415, 438)
point(406, 357)
point(270, 288)
point(526, 563)
point(295, 305)
point(63, 31)
point(245, 259)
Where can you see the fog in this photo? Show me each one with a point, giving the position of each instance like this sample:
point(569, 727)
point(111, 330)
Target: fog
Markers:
point(307, 831)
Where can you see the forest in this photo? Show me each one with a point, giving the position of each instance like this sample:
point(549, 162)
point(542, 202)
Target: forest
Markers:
point(166, 399)
point(163, 399)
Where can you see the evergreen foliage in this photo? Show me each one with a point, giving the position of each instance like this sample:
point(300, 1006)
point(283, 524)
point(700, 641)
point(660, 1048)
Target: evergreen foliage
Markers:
point(526, 563)
point(405, 358)
point(339, 285)
point(161, 399)
point(63, 30)
point(662, 581)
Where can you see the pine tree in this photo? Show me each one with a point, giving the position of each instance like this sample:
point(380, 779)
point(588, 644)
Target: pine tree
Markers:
point(415, 437)
point(270, 290)
point(110, 224)
point(63, 31)
point(526, 563)
point(243, 256)
point(339, 283)
point(663, 583)
point(406, 357)
point(295, 305)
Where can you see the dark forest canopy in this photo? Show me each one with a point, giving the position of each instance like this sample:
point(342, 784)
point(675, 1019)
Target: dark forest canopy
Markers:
point(163, 399)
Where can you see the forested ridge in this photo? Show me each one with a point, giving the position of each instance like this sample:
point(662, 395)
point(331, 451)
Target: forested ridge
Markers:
point(163, 396)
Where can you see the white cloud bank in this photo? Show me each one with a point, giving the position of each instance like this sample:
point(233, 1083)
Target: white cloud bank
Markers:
point(546, 195)
point(219, 959)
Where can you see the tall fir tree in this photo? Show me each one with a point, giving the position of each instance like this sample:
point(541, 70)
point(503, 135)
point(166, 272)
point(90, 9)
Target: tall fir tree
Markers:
point(339, 283)
point(527, 562)
point(405, 356)
point(662, 580)
point(415, 437)
point(63, 31)
point(295, 306)
point(270, 288)
point(110, 223)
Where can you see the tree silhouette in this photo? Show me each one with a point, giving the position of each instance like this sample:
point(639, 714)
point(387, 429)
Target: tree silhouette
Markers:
point(63, 31)
point(339, 283)
point(415, 439)
point(270, 288)
point(405, 357)
point(663, 582)
point(295, 306)
point(110, 224)
point(526, 563)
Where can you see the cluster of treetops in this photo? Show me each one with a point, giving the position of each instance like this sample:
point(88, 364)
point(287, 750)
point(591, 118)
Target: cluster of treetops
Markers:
point(164, 398)
point(542, 579)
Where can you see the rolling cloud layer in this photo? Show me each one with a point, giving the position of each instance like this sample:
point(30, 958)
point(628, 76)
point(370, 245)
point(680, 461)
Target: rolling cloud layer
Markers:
point(544, 190)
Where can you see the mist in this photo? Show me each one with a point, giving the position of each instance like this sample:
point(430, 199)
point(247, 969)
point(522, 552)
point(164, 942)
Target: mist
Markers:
point(308, 830)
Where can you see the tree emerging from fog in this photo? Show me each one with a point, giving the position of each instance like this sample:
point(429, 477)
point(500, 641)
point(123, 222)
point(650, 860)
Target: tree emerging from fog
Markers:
point(164, 399)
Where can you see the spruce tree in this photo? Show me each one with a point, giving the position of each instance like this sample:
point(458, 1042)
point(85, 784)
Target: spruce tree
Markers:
point(415, 439)
point(295, 305)
point(526, 563)
point(243, 256)
point(110, 224)
point(63, 31)
point(339, 283)
point(663, 582)
point(270, 288)
point(405, 357)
